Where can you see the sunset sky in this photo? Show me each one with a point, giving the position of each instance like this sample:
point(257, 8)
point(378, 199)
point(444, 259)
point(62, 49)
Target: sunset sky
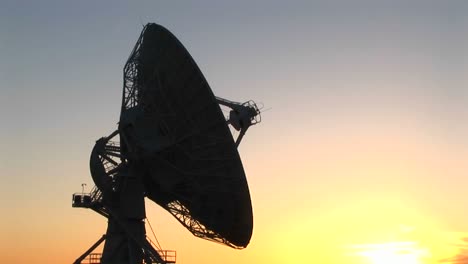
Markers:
point(362, 158)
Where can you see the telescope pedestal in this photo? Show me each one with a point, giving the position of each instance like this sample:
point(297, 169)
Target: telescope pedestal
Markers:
point(125, 239)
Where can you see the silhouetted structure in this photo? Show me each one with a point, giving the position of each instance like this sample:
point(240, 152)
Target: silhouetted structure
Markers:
point(173, 145)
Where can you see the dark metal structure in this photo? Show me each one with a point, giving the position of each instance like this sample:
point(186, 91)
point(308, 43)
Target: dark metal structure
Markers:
point(173, 145)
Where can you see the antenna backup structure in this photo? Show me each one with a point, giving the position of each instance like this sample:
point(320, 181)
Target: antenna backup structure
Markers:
point(174, 146)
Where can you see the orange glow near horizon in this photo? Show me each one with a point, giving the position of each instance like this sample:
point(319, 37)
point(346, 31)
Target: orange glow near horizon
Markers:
point(391, 253)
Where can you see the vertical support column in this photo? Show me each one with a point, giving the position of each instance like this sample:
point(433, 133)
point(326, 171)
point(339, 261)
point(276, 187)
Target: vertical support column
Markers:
point(126, 229)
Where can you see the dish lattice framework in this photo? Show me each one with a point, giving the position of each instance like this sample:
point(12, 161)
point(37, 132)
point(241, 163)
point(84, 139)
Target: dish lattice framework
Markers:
point(247, 112)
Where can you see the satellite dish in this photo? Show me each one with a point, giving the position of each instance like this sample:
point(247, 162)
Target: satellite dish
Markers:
point(174, 146)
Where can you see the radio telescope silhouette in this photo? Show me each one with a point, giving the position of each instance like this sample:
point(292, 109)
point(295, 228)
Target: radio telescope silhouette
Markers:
point(174, 146)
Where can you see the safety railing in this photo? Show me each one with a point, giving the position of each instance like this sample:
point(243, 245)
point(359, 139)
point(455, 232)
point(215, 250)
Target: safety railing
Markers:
point(169, 256)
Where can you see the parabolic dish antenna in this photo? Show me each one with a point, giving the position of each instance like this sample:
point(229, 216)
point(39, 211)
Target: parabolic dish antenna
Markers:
point(173, 145)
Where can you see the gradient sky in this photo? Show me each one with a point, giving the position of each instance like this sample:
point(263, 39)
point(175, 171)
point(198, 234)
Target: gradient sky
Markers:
point(365, 145)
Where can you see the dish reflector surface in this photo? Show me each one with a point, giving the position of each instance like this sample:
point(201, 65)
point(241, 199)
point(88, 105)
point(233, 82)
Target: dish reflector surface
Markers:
point(174, 130)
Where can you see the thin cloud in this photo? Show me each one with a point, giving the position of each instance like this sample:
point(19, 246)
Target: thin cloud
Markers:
point(462, 255)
